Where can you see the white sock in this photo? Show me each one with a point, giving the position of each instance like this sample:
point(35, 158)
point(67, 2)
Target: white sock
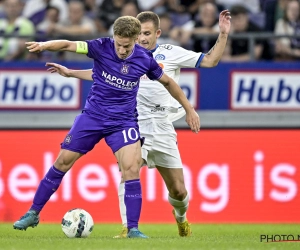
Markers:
point(180, 207)
point(122, 207)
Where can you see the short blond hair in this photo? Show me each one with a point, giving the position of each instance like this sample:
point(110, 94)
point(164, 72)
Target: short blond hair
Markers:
point(127, 26)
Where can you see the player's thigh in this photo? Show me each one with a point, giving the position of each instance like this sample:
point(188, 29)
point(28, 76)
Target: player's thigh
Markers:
point(174, 180)
point(66, 159)
point(129, 155)
point(129, 159)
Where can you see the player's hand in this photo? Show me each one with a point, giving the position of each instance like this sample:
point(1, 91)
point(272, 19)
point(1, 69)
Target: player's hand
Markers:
point(224, 22)
point(193, 120)
point(35, 47)
point(57, 68)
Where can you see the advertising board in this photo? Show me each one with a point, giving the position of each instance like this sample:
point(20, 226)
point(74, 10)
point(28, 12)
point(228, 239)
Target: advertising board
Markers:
point(236, 176)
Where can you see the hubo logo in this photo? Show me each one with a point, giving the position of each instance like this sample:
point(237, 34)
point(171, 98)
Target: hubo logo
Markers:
point(38, 90)
point(265, 90)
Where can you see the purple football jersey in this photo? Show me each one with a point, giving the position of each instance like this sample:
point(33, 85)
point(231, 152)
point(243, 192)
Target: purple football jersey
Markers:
point(116, 81)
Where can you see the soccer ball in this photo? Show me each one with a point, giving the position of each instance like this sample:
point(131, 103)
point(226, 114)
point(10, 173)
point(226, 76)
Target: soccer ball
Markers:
point(77, 223)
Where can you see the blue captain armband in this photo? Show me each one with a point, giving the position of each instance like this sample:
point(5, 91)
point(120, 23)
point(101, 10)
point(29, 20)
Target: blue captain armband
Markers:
point(81, 47)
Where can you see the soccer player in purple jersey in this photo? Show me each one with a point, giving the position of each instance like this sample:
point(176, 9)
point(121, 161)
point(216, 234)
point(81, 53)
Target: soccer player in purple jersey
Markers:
point(160, 148)
point(110, 113)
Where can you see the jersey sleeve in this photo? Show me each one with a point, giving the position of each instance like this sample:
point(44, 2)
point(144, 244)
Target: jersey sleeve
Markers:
point(155, 71)
point(187, 58)
point(95, 48)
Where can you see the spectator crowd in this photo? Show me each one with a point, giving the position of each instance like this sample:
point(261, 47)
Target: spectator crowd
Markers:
point(192, 24)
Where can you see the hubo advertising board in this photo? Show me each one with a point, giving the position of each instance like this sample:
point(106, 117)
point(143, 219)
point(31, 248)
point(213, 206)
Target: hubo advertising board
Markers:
point(38, 89)
point(236, 176)
point(265, 90)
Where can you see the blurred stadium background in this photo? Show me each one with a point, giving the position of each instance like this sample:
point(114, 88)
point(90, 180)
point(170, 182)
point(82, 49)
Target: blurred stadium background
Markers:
point(243, 167)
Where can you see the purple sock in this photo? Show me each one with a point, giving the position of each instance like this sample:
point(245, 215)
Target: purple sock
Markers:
point(47, 187)
point(133, 202)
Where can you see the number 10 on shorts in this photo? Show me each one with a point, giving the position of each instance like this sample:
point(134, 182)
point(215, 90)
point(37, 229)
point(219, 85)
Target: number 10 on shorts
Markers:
point(130, 134)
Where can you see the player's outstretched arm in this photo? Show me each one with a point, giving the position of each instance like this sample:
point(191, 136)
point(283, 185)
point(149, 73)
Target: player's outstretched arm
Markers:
point(53, 45)
point(192, 118)
point(64, 71)
point(212, 58)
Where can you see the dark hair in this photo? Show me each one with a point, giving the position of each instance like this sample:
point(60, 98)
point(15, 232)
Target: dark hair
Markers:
point(149, 16)
point(238, 9)
point(164, 15)
point(51, 7)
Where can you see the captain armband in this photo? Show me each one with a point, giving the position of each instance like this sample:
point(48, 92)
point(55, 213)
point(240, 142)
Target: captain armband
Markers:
point(81, 47)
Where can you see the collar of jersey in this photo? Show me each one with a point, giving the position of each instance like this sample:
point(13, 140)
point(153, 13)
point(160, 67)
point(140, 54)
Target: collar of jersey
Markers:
point(152, 50)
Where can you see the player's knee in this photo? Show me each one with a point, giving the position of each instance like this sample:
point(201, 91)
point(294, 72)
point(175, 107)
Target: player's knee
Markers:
point(130, 172)
point(63, 164)
point(178, 192)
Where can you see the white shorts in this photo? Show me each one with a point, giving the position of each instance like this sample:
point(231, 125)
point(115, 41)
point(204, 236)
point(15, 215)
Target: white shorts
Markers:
point(160, 146)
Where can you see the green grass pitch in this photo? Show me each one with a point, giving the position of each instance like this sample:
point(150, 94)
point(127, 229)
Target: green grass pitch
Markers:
point(205, 236)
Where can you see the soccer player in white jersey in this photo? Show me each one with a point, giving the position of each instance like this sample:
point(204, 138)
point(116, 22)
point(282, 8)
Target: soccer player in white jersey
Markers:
point(157, 110)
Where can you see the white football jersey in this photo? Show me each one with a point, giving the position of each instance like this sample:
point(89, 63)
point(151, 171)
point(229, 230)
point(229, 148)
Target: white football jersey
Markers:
point(154, 101)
